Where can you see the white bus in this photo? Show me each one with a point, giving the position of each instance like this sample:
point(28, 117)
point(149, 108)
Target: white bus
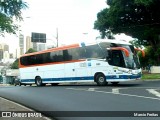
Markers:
point(102, 61)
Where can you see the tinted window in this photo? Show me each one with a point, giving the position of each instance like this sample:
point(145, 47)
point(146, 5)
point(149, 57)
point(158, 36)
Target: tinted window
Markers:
point(115, 58)
point(94, 51)
point(77, 53)
point(56, 56)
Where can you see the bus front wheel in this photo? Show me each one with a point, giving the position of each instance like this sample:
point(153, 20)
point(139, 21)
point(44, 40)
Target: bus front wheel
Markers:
point(38, 81)
point(101, 80)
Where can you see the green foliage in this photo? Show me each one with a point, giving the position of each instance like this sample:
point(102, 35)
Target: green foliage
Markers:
point(151, 76)
point(10, 9)
point(150, 56)
point(136, 43)
point(31, 50)
point(15, 63)
point(137, 18)
point(144, 2)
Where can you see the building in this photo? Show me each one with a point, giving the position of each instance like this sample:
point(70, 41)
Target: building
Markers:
point(18, 52)
point(21, 44)
point(4, 51)
point(41, 46)
point(6, 47)
point(29, 44)
point(1, 54)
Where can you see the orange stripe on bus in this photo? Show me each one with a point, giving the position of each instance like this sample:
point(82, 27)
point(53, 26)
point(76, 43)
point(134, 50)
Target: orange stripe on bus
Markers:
point(121, 48)
point(53, 49)
point(143, 53)
point(52, 63)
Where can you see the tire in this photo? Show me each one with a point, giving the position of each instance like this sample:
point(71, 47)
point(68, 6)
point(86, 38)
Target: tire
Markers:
point(19, 84)
point(38, 81)
point(54, 84)
point(114, 83)
point(101, 80)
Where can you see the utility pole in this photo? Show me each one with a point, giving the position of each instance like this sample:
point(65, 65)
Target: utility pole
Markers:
point(57, 36)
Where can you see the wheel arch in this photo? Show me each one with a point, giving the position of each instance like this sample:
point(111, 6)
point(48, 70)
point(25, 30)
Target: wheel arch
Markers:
point(36, 78)
point(97, 74)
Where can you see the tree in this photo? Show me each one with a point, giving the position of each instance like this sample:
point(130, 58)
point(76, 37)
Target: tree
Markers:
point(30, 50)
point(137, 18)
point(10, 9)
point(136, 43)
point(15, 63)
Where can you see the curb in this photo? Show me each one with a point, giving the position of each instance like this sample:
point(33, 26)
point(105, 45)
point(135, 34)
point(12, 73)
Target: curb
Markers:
point(8, 106)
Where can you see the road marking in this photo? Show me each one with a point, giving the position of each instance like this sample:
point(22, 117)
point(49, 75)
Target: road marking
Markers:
point(91, 89)
point(130, 95)
point(75, 89)
point(153, 98)
point(115, 90)
point(154, 92)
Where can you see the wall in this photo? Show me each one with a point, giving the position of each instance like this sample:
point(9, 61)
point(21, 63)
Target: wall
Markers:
point(155, 69)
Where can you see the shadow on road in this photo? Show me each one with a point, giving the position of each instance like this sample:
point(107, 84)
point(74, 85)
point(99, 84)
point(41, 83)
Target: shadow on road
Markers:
point(95, 85)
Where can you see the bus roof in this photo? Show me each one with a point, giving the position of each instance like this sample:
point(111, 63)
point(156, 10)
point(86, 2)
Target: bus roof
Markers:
point(53, 49)
point(80, 45)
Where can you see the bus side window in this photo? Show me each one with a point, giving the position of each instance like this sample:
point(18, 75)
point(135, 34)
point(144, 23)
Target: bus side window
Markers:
point(81, 53)
point(109, 57)
point(31, 60)
point(39, 58)
point(60, 56)
point(46, 58)
point(66, 55)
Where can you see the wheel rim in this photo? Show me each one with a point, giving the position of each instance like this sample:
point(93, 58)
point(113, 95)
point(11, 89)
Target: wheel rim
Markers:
point(101, 79)
point(38, 81)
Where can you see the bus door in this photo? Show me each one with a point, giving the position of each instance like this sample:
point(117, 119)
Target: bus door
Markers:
point(115, 58)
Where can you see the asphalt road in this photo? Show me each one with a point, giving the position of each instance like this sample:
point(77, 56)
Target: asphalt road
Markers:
point(61, 102)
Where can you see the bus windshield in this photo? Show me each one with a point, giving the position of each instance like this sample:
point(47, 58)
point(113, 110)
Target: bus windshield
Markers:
point(132, 61)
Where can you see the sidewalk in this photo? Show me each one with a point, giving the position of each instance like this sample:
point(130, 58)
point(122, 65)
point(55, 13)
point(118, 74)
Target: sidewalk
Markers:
point(9, 106)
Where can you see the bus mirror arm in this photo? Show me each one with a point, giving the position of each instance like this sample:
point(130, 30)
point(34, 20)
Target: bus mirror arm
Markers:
point(143, 53)
point(120, 48)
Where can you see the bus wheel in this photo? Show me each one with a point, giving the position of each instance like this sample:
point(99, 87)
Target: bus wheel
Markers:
point(101, 80)
point(19, 84)
point(114, 83)
point(54, 84)
point(38, 81)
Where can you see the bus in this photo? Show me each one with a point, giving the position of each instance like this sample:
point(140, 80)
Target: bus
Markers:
point(102, 61)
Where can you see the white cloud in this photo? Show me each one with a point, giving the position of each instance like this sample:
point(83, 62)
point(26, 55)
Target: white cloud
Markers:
point(71, 17)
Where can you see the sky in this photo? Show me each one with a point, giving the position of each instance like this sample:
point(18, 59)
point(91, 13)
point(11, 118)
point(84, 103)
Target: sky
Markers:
point(72, 18)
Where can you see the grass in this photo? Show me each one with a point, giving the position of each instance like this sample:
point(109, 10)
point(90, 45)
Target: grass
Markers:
point(147, 76)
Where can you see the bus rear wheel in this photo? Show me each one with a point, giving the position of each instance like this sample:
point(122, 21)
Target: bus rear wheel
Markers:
point(101, 80)
point(38, 81)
